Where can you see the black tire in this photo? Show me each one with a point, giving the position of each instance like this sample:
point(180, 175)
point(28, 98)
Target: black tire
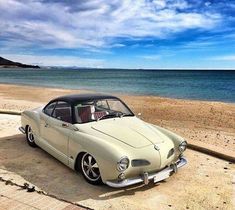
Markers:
point(29, 136)
point(90, 169)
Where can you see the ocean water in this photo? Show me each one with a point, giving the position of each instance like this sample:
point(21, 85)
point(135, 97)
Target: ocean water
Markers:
point(202, 85)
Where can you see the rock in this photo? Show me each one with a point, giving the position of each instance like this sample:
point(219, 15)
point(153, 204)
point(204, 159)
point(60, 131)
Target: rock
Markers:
point(31, 189)
point(11, 64)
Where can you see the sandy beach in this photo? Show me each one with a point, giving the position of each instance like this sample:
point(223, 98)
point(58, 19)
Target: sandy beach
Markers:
point(208, 124)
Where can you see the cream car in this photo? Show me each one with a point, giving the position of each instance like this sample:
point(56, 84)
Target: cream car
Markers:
point(100, 136)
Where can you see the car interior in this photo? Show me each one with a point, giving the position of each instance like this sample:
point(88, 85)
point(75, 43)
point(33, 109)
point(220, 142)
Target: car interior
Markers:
point(85, 111)
point(63, 112)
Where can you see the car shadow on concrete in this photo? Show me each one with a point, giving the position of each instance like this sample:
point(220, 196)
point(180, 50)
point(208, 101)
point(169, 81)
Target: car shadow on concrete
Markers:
point(47, 173)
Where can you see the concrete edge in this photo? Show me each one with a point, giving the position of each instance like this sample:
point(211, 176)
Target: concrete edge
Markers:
point(5, 111)
point(190, 145)
point(31, 188)
point(211, 152)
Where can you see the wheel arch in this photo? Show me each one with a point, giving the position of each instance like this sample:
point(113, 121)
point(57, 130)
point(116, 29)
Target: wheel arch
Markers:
point(26, 128)
point(77, 165)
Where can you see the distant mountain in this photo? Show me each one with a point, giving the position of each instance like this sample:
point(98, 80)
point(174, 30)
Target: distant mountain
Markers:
point(4, 63)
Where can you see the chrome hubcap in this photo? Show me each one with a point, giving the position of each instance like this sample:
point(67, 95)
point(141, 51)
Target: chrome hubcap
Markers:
point(30, 134)
point(90, 167)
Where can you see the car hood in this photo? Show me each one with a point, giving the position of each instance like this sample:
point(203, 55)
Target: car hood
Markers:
point(129, 130)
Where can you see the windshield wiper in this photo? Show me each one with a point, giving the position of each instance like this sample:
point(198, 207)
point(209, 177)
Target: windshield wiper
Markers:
point(124, 115)
point(107, 116)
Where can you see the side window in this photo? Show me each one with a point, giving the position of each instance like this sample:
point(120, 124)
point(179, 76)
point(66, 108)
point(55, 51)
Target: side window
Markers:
point(63, 112)
point(49, 108)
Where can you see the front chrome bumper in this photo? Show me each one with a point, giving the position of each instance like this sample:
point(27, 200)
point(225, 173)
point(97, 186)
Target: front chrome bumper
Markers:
point(22, 130)
point(156, 177)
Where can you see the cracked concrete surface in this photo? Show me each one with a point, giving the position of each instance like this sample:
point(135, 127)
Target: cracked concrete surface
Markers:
point(13, 181)
point(13, 197)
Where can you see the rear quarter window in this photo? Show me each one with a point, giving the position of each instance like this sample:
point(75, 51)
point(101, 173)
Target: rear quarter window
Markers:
point(49, 108)
point(63, 112)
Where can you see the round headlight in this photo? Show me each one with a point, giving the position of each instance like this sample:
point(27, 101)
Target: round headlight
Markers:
point(182, 146)
point(123, 164)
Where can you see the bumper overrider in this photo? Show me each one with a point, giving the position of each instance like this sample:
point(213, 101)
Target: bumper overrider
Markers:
point(22, 130)
point(146, 177)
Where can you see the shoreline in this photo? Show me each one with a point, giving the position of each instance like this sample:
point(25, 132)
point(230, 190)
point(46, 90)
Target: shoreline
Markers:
point(204, 123)
point(116, 93)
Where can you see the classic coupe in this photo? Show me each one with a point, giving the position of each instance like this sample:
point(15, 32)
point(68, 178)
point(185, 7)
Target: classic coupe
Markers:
point(101, 137)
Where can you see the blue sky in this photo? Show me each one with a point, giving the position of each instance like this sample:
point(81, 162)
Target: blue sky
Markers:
point(197, 34)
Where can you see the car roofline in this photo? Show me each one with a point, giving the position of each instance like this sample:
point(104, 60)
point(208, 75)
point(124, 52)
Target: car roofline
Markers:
point(71, 99)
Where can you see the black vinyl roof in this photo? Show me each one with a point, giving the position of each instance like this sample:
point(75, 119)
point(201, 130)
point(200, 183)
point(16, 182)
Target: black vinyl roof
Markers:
point(83, 97)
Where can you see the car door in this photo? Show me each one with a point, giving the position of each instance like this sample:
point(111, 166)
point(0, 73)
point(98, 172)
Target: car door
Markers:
point(57, 130)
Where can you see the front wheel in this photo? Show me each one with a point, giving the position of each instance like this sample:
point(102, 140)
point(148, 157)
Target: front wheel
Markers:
point(30, 136)
point(90, 169)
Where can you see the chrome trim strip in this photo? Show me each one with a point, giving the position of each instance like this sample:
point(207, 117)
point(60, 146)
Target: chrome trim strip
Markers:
point(22, 130)
point(161, 175)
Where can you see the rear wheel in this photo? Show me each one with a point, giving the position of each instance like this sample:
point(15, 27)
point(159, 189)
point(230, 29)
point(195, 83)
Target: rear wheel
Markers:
point(90, 169)
point(30, 136)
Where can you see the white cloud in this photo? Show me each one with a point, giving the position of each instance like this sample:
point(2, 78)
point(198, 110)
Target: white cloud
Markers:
point(224, 58)
point(151, 57)
point(52, 60)
point(95, 23)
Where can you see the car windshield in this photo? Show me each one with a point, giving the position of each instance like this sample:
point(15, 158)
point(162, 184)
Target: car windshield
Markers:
point(96, 110)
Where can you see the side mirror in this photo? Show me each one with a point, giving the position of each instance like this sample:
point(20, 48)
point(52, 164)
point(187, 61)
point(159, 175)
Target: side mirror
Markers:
point(139, 114)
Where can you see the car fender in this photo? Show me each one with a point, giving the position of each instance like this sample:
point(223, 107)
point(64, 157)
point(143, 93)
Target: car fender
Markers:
point(176, 139)
point(106, 153)
point(31, 118)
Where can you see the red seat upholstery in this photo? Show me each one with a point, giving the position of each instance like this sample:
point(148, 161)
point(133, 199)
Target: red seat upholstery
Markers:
point(98, 115)
point(84, 113)
point(63, 114)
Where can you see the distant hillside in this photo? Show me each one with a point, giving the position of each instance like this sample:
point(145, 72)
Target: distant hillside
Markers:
point(4, 63)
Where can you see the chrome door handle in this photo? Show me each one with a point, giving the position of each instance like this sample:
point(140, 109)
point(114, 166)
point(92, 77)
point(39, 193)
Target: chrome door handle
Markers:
point(65, 125)
point(46, 125)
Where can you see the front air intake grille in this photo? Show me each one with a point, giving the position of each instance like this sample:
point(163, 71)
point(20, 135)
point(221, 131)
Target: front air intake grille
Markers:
point(170, 153)
point(139, 162)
